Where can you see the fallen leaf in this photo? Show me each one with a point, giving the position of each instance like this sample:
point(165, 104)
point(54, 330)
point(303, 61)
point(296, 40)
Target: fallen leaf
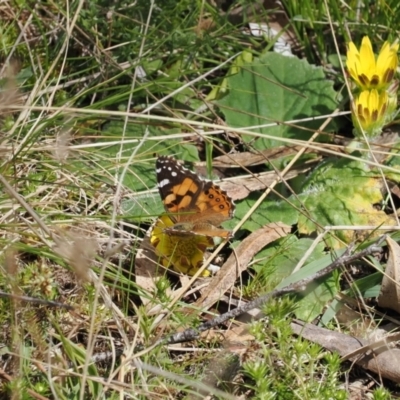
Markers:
point(238, 334)
point(246, 158)
point(389, 296)
point(240, 188)
point(379, 356)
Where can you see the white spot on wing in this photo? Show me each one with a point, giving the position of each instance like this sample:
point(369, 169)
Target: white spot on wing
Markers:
point(162, 183)
point(173, 173)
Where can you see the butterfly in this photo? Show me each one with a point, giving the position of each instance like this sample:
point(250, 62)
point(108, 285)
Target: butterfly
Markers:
point(196, 206)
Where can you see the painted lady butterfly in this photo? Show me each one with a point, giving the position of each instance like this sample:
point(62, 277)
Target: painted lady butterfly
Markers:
point(196, 206)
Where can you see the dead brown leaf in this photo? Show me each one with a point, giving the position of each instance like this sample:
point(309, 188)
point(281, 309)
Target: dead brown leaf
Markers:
point(389, 296)
point(238, 334)
point(377, 356)
point(246, 158)
point(240, 188)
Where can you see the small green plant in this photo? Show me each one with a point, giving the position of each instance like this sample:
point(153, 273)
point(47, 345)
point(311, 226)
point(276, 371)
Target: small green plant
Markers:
point(381, 394)
point(286, 367)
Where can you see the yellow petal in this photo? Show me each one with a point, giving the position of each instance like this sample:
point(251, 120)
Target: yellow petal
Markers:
point(373, 101)
point(353, 60)
point(387, 61)
point(367, 57)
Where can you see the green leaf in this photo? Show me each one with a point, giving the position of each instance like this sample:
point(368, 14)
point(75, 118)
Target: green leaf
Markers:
point(280, 258)
point(316, 297)
point(78, 356)
point(368, 286)
point(310, 268)
point(244, 58)
point(341, 192)
point(275, 88)
point(269, 211)
point(312, 302)
point(143, 206)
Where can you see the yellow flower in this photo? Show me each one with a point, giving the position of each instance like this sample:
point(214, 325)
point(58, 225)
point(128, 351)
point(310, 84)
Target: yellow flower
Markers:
point(369, 72)
point(369, 112)
point(183, 252)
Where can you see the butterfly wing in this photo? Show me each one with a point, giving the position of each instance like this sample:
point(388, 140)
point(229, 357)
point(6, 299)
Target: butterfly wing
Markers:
point(179, 188)
point(195, 204)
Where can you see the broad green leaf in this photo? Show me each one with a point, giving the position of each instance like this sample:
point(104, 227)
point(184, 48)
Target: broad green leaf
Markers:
point(279, 259)
point(274, 88)
point(142, 206)
point(368, 287)
point(335, 171)
point(151, 66)
point(311, 268)
point(341, 192)
point(269, 211)
point(319, 293)
point(24, 75)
